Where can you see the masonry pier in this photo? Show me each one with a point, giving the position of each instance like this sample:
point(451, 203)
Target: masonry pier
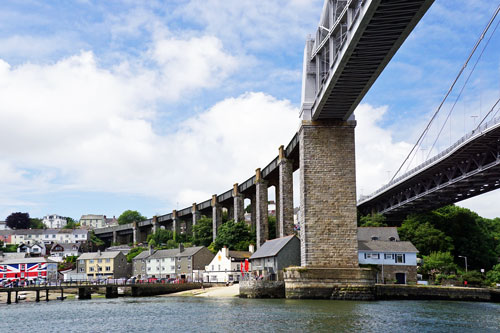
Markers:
point(329, 247)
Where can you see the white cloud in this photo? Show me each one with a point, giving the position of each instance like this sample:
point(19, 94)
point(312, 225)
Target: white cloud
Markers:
point(93, 127)
point(377, 154)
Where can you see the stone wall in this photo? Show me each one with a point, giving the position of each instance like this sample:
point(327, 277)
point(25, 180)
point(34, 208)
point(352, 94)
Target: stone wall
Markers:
point(392, 292)
point(328, 194)
point(391, 270)
point(163, 288)
point(262, 289)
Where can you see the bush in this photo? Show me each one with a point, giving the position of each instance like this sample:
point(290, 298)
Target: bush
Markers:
point(493, 276)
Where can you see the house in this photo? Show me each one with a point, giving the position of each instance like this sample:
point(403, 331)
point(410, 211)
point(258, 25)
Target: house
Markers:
point(274, 256)
point(54, 221)
point(28, 269)
point(6, 236)
point(33, 250)
point(63, 250)
point(47, 236)
point(103, 265)
point(3, 226)
point(110, 222)
point(396, 260)
point(161, 264)
point(139, 263)
point(226, 266)
point(92, 221)
point(191, 262)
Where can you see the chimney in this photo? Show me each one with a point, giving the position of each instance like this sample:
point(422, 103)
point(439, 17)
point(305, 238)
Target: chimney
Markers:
point(99, 252)
point(251, 248)
point(150, 249)
point(225, 253)
point(181, 247)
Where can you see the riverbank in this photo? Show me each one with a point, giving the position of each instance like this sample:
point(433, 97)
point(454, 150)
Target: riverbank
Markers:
point(218, 291)
point(30, 296)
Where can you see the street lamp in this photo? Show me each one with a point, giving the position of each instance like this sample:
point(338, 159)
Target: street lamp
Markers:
point(465, 262)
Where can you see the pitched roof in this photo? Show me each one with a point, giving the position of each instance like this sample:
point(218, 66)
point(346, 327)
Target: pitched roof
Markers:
point(67, 246)
point(102, 255)
point(240, 254)
point(386, 246)
point(189, 251)
point(271, 247)
point(28, 261)
point(159, 254)
point(383, 233)
point(142, 255)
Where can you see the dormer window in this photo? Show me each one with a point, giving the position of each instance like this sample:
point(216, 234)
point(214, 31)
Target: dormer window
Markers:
point(374, 238)
point(392, 239)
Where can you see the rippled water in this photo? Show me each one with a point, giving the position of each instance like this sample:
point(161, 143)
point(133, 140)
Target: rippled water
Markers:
point(189, 314)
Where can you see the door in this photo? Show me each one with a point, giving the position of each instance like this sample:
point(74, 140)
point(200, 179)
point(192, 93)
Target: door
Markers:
point(400, 278)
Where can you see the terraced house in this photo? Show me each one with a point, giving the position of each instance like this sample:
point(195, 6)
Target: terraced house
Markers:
point(103, 265)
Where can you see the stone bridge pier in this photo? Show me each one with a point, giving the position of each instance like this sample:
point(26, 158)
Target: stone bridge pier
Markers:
point(328, 231)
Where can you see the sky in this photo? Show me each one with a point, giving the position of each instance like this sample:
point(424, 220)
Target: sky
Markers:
point(153, 105)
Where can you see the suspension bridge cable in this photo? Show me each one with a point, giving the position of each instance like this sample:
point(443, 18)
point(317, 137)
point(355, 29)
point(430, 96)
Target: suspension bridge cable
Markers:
point(461, 90)
point(449, 90)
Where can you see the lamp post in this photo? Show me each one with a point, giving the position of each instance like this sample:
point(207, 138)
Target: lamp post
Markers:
point(465, 262)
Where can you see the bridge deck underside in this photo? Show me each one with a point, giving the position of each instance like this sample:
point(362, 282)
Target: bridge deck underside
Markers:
point(472, 170)
point(389, 26)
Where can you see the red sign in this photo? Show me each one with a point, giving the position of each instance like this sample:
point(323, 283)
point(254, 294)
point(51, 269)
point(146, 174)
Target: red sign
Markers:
point(246, 265)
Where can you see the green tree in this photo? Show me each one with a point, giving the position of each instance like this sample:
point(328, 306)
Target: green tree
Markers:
point(424, 236)
point(493, 276)
point(134, 252)
point(375, 220)
point(70, 223)
point(233, 235)
point(161, 236)
point(130, 216)
point(36, 223)
point(271, 222)
point(96, 241)
point(203, 231)
point(18, 220)
point(438, 263)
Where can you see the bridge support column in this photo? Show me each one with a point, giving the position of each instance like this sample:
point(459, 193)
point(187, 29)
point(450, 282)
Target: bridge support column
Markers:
point(17, 297)
point(9, 301)
point(111, 292)
point(329, 245)
point(253, 206)
point(136, 234)
point(285, 194)
point(239, 205)
point(155, 224)
point(261, 203)
point(176, 224)
point(277, 198)
point(46, 295)
point(216, 215)
point(37, 297)
point(196, 215)
point(84, 293)
point(115, 237)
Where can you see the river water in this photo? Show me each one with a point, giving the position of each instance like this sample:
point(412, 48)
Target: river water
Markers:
point(196, 314)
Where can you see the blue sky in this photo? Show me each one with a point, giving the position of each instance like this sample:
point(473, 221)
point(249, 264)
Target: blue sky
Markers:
point(108, 106)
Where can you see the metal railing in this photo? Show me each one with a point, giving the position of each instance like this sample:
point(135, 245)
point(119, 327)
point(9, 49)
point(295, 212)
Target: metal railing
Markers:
point(469, 137)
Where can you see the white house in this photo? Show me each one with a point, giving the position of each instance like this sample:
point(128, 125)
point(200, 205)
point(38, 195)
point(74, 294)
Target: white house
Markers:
point(396, 260)
point(34, 249)
point(92, 221)
point(3, 226)
point(161, 264)
point(54, 221)
point(63, 250)
point(226, 266)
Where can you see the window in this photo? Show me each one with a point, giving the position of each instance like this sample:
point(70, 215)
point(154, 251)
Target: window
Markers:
point(99, 268)
point(388, 256)
point(189, 258)
point(400, 258)
point(108, 268)
point(91, 261)
point(179, 267)
point(81, 269)
point(108, 260)
point(99, 261)
point(149, 268)
point(213, 268)
point(91, 269)
point(172, 268)
point(238, 267)
point(372, 256)
point(374, 238)
point(53, 236)
point(189, 266)
point(172, 259)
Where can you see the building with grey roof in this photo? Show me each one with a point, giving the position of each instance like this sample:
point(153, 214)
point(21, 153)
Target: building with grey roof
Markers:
point(274, 256)
point(103, 265)
point(396, 260)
